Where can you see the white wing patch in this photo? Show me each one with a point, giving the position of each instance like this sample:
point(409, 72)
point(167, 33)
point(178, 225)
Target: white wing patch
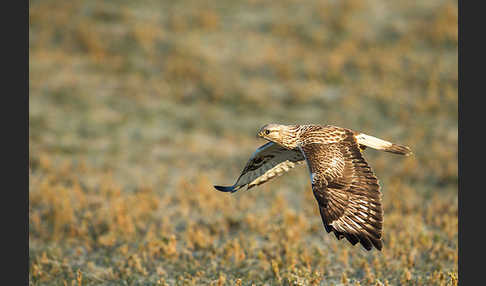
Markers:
point(269, 161)
point(276, 171)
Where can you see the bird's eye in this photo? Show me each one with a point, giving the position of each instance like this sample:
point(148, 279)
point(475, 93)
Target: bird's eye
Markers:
point(267, 132)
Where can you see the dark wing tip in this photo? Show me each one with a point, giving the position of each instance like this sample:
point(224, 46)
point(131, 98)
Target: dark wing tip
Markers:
point(378, 244)
point(225, 189)
point(368, 242)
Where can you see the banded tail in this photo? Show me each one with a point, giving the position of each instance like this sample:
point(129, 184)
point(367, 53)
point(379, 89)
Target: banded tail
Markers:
point(379, 144)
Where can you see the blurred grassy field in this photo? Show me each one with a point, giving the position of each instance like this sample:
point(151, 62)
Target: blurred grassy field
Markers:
point(138, 107)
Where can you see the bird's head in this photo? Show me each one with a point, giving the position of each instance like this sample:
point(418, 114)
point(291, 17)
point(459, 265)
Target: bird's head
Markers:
point(285, 135)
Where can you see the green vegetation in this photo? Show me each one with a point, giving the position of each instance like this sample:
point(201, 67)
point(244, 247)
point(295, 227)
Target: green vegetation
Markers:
point(138, 107)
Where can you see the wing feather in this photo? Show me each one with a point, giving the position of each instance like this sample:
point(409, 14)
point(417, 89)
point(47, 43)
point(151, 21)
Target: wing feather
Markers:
point(268, 161)
point(347, 192)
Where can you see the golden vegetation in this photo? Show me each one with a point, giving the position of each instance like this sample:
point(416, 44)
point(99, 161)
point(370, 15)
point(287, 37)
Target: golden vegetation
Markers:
point(138, 108)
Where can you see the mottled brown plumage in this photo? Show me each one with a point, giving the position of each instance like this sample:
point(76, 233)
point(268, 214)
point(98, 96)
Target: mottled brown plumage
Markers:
point(345, 187)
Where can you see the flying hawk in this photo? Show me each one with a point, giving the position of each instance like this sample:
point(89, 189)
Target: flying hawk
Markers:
point(345, 187)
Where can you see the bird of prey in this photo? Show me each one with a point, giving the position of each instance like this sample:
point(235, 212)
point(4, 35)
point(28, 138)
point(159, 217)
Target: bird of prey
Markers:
point(345, 187)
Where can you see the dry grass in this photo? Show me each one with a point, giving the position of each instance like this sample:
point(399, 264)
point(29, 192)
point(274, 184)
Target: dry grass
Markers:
point(138, 108)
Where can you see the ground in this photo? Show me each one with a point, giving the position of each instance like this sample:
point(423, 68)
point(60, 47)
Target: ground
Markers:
point(136, 108)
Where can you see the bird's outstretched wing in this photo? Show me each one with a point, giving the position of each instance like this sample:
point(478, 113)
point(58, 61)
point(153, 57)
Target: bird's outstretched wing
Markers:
point(269, 161)
point(347, 192)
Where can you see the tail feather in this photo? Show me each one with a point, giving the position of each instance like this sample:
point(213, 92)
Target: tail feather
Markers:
point(380, 144)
